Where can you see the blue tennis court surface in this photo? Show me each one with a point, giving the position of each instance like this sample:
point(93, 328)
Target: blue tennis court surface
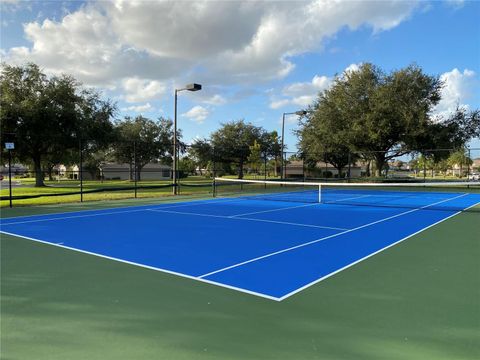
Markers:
point(267, 248)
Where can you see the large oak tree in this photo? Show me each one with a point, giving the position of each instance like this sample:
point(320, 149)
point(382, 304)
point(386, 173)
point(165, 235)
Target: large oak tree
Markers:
point(50, 115)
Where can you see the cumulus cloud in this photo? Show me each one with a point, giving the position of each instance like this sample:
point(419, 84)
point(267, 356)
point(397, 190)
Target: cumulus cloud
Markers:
point(458, 88)
point(215, 100)
point(197, 114)
point(222, 42)
point(137, 90)
point(139, 108)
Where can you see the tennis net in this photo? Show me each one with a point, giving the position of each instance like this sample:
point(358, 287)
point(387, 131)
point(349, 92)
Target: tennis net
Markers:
point(452, 196)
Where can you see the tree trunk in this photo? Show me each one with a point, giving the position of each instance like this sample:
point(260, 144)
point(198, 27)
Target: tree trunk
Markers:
point(139, 172)
point(38, 172)
point(340, 171)
point(275, 171)
point(240, 170)
point(367, 169)
point(50, 173)
point(379, 164)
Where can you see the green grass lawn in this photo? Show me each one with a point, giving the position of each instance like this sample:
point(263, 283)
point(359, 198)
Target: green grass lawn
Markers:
point(63, 187)
point(417, 300)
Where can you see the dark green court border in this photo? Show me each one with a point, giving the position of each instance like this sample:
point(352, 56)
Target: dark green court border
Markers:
point(417, 300)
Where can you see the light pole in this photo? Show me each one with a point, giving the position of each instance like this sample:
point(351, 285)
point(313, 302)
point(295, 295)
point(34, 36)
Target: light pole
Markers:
point(299, 113)
point(189, 87)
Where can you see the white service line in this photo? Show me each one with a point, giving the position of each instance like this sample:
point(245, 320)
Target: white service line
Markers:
point(247, 219)
point(323, 238)
point(372, 254)
point(272, 210)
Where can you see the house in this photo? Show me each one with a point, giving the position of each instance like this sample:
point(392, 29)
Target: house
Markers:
point(110, 171)
point(296, 169)
point(17, 169)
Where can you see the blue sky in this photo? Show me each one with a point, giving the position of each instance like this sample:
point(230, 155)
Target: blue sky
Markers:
point(255, 60)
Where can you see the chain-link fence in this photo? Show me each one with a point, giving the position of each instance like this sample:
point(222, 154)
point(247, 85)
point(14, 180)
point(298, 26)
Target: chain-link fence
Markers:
point(140, 170)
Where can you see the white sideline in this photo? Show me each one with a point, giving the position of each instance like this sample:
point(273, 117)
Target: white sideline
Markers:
point(146, 266)
point(370, 255)
point(135, 209)
point(248, 219)
point(323, 238)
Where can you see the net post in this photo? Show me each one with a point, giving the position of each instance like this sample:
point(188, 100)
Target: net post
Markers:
point(319, 193)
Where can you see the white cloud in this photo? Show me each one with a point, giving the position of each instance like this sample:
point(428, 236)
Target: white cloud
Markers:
point(138, 90)
point(215, 100)
point(197, 114)
point(221, 42)
point(456, 4)
point(139, 108)
point(303, 94)
point(277, 104)
point(458, 88)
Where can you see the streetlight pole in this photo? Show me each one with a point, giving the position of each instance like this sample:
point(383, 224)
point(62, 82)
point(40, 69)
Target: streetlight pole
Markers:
point(299, 113)
point(189, 87)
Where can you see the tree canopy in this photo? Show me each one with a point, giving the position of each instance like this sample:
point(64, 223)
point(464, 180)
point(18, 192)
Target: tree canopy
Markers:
point(381, 116)
point(50, 115)
point(141, 140)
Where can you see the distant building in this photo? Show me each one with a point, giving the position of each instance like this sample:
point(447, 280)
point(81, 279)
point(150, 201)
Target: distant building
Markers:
point(296, 169)
point(17, 169)
point(126, 172)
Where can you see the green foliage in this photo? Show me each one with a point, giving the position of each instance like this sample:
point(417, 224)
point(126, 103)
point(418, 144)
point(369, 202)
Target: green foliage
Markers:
point(255, 156)
point(368, 111)
point(459, 159)
point(141, 141)
point(187, 165)
point(50, 116)
point(233, 140)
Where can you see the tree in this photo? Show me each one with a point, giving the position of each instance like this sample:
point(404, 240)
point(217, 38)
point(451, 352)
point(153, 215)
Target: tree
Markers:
point(201, 151)
point(367, 111)
point(49, 116)
point(459, 158)
point(255, 157)
point(141, 141)
point(187, 166)
point(273, 148)
point(233, 140)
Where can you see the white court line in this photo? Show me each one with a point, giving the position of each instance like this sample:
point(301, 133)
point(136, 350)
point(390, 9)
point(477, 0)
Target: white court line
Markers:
point(145, 208)
point(210, 281)
point(351, 198)
point(247, 219)
point(323, 238)
point(146, 267)
point(272, 210)
point(370, 255)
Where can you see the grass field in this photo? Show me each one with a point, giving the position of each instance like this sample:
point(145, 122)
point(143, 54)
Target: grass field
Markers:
point(62, 188)
point(418, 300)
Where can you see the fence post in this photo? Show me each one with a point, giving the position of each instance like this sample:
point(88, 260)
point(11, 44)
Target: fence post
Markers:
point(468, 164)
point(135, 166)
point(214, 175)
point(10, 176)
point(424, 166)
point(80, 170)
point(265, 168)
point(349, 166)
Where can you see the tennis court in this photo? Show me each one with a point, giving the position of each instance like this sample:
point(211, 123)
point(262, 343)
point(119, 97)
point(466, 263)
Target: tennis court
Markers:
point(271, 244)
